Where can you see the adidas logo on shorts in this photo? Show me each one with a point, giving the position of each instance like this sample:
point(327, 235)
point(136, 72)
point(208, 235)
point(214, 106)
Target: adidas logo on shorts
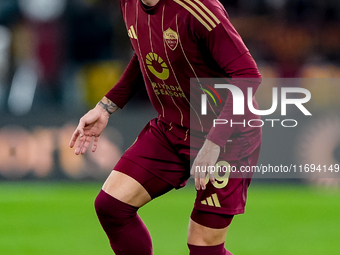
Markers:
point(211, 201)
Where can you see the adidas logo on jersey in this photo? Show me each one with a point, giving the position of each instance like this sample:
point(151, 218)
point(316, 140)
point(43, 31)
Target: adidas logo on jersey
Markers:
point(131, 32)
point(211, 201)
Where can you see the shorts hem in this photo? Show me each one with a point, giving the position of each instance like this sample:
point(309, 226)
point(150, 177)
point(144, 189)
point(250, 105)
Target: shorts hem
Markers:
point(135, 176)
point(211, 220)
point(154, 185)
point(220, 210)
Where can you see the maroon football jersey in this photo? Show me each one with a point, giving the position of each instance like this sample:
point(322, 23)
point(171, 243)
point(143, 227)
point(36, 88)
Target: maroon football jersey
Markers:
point(174, 41)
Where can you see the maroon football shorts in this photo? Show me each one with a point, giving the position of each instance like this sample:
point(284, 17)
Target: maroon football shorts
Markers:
point(160, 159)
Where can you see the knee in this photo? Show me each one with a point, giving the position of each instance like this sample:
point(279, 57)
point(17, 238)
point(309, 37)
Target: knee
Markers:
point(205, 236)
point(112, 211)
point(203, 239)
point(100, 203)
point(207, 229)
point(103, 203)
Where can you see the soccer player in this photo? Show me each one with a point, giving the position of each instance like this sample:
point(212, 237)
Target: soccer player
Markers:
point(173, 41)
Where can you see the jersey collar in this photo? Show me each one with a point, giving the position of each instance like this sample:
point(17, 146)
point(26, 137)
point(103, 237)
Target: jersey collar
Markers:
point(151, 10)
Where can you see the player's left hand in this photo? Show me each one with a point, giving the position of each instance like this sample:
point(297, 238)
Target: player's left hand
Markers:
point(207, 156)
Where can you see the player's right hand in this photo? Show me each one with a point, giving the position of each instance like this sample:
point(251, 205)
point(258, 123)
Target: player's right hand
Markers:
point(90, 125)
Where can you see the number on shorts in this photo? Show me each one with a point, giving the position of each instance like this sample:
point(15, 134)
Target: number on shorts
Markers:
point(220, 181)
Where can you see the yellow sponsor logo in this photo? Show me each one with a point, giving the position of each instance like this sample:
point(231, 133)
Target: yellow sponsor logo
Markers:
point(157, 66)
point(167, 90)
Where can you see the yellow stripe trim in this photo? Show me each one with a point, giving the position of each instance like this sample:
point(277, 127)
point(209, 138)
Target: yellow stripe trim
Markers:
point(201, 12)
point(215, 198)
point(194, 14)
point(133, 32)
point(208, 11)
point(204, 202)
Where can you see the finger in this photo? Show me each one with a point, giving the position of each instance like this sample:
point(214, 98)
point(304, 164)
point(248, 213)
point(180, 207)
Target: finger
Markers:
point(202, 183)
point(78, 132)
point(86, 144)
point(212, 176)
point(95, 144)
point(197, 184)
point(196, 173)
point(74, 138)
point(80, 127)
point(200, 180)
point(80, 145)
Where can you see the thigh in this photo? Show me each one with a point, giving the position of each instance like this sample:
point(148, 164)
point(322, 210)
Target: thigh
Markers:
point(155, 151)
point(148, 169)
point(126, 189)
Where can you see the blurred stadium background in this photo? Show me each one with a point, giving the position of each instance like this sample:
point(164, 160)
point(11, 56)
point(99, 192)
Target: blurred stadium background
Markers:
point(58, 58)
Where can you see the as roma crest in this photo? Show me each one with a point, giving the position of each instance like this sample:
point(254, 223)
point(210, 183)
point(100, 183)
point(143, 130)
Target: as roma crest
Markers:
point(171, 38)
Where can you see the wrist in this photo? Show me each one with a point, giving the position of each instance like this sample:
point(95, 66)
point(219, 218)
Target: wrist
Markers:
point(101, 110)
point(107, 105)
point(211, 143)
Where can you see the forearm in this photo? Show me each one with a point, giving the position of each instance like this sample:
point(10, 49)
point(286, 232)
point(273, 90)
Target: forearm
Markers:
point(128, 85)
point(245, 74)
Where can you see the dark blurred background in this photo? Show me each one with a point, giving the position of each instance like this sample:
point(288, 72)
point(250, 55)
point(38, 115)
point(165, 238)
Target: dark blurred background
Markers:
point(58, 58)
